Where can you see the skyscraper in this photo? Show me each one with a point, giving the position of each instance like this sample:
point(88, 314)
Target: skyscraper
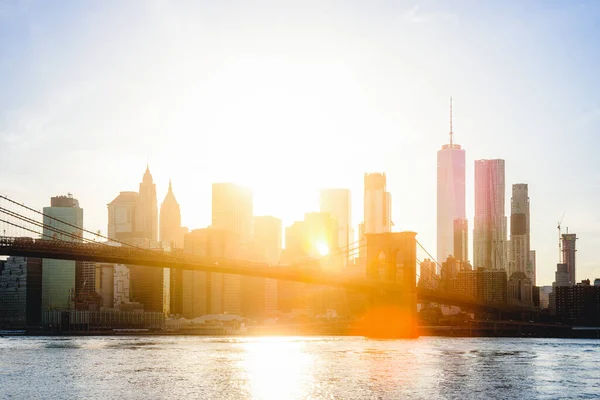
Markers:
point(306, 240)
point(427, 275)
point(568, 254)
point(149, 286)
point(450, 193)
point(489, 233)
point(259, 295)
point(267, 238)
point(105, 284)
point(205, 292)
point(20, 292)
point(122, 221)
point(147, 210)
point(377, 204)
point(171, 234)
point(532, 266)
point(519, 231)
point(317, 235)
point(337, 202)
point(232, 210)
point(59, 276)
point(171, 238)
point(133, 219)
point(461, 241)
point(122, 226)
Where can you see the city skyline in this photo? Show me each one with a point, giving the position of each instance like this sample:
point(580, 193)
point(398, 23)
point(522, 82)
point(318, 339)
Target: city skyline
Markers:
point(394, 128)
point(299, 199)
point(147, 180)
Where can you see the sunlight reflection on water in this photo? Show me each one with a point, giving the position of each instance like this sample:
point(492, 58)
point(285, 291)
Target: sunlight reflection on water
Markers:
point(276, 368)
point(296, 368)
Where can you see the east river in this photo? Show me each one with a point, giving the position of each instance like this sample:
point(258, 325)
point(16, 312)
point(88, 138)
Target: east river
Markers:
point(193, 367)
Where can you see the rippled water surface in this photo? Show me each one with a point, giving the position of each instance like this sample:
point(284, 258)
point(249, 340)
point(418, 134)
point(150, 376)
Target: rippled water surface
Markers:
point(155, 367)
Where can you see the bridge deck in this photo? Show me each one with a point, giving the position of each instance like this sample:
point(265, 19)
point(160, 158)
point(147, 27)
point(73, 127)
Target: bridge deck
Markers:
point(306, 273)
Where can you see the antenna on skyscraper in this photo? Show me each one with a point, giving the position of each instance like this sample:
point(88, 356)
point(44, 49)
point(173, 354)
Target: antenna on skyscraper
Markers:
point(451, 121)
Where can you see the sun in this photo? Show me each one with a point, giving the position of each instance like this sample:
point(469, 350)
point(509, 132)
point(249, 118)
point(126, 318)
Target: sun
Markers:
point(322, 248)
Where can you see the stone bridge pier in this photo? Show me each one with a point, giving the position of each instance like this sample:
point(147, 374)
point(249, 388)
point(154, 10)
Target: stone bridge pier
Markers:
point(392, 257)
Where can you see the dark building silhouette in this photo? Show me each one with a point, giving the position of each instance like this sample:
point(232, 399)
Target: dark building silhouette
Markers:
point(488, 286)
point(520, 289)
point(20, 292)
point(562, 279)
point(449, 273)
point(568, 254)
point(578, 304)
point(85, 277)
point(535, 296)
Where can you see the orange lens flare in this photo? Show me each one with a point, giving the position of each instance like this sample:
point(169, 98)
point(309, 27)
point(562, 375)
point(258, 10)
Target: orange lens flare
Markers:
point(387, 322)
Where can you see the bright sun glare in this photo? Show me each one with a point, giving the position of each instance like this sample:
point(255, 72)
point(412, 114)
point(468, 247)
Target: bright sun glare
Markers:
point(322, 248)
point(277, 368)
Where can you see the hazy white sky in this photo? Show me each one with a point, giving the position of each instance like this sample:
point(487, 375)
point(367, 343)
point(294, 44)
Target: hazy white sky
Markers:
point(290, 97)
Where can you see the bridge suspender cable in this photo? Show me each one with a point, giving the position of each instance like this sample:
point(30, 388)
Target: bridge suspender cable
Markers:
point(21, 227)
point(430, 256)
point(437, 278)
point(39, 224)
point(49, 227)
point(95, 234)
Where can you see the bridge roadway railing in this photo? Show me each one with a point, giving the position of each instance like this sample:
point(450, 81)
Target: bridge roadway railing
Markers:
point(307, 273)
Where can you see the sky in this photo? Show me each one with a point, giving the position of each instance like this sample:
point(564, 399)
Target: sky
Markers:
point(290, 97)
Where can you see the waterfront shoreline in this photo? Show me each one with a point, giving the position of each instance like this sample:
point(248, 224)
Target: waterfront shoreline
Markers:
point(567, 332)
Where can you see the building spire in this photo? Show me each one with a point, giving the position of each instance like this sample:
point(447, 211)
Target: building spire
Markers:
point(147, 175)
point(451, 133)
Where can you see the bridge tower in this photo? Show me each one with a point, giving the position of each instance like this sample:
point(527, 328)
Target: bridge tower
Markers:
point(392, 257)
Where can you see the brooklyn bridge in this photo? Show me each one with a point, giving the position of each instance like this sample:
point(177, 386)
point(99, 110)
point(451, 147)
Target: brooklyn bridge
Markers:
point(389, 280)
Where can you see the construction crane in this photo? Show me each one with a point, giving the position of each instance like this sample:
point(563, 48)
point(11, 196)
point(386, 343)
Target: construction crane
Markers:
point(560, 258)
